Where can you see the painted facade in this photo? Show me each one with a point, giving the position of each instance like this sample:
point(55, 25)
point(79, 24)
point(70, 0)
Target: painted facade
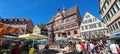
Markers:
point(65, 23)
point(92, 26)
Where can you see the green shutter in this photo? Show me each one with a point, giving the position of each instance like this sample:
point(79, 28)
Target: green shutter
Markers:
point(114, 10)
point(116, 25)
point(117, 6)
point(119, 23)
point(107, 2)
point(113, 27)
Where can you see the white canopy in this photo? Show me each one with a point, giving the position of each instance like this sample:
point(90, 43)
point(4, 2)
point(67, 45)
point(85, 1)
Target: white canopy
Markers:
point(33, 36)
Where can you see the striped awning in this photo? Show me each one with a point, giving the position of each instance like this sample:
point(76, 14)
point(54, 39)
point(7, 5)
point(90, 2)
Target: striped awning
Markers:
point(4, 29)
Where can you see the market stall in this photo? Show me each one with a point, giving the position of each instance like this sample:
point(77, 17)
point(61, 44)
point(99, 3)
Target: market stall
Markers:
point(5, 41)
point(33, 37)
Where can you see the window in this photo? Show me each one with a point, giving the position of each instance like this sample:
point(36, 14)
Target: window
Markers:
point(74, 24)
point(116, 25)
point(68, 26)
point(111, 13)
point(119, 23)
point(67, 19)
point(87, 16)
point(83, 22)
point(86, 27)
point(116, 8)
point(104, 20)
point(90, 26)
point(58, 35)
point(82, 27)
point(118, 3)
point(113, 27)
point(109, 29)
point(68, 33)
point(61, 28)
point(90, 20)
point(99, 24)
point(108, 15)
point(62, 21)
point(107, 1)
point(75, 32)
point(94, 25)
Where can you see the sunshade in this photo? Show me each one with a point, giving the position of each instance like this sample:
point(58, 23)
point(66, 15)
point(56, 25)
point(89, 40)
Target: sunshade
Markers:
point(61, 39)
point(8, 37)
point(73, 39)
point(33, 36)
point(117, 35)
point(7, 29)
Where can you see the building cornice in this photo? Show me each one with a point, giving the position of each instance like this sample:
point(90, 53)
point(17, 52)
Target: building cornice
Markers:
point(113, 21)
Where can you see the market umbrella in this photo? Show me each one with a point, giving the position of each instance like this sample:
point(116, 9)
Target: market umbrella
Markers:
point(43, 41)
point(59, 40)
point(33, 37)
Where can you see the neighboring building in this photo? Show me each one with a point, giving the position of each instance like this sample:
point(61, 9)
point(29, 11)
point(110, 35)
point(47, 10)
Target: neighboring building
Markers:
point(92, 27)
point(65, 23)
point(40, 29)
point(110, 12)
point(25, 25)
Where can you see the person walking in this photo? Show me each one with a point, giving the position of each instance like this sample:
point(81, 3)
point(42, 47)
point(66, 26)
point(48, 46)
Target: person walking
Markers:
point(114, 48)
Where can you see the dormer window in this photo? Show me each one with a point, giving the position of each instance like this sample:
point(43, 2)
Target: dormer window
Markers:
point(87, 16)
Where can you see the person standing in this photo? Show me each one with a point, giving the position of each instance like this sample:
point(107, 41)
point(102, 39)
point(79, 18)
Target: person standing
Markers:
point(97, 48)
point(83, 46)
point(32, 50)
point(108, 47)
point(79, 48)
point(17, 49)
point(91, 48)
point(113, 47)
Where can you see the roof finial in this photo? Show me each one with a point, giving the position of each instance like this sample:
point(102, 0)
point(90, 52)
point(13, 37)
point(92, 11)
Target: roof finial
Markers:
point(58, 9)
point(63, 8)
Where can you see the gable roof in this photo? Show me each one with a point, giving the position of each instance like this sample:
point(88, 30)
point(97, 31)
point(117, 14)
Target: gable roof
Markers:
point(68, 12)
point(42, 26)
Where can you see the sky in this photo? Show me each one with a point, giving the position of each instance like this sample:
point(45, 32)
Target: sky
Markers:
point(41, 11)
